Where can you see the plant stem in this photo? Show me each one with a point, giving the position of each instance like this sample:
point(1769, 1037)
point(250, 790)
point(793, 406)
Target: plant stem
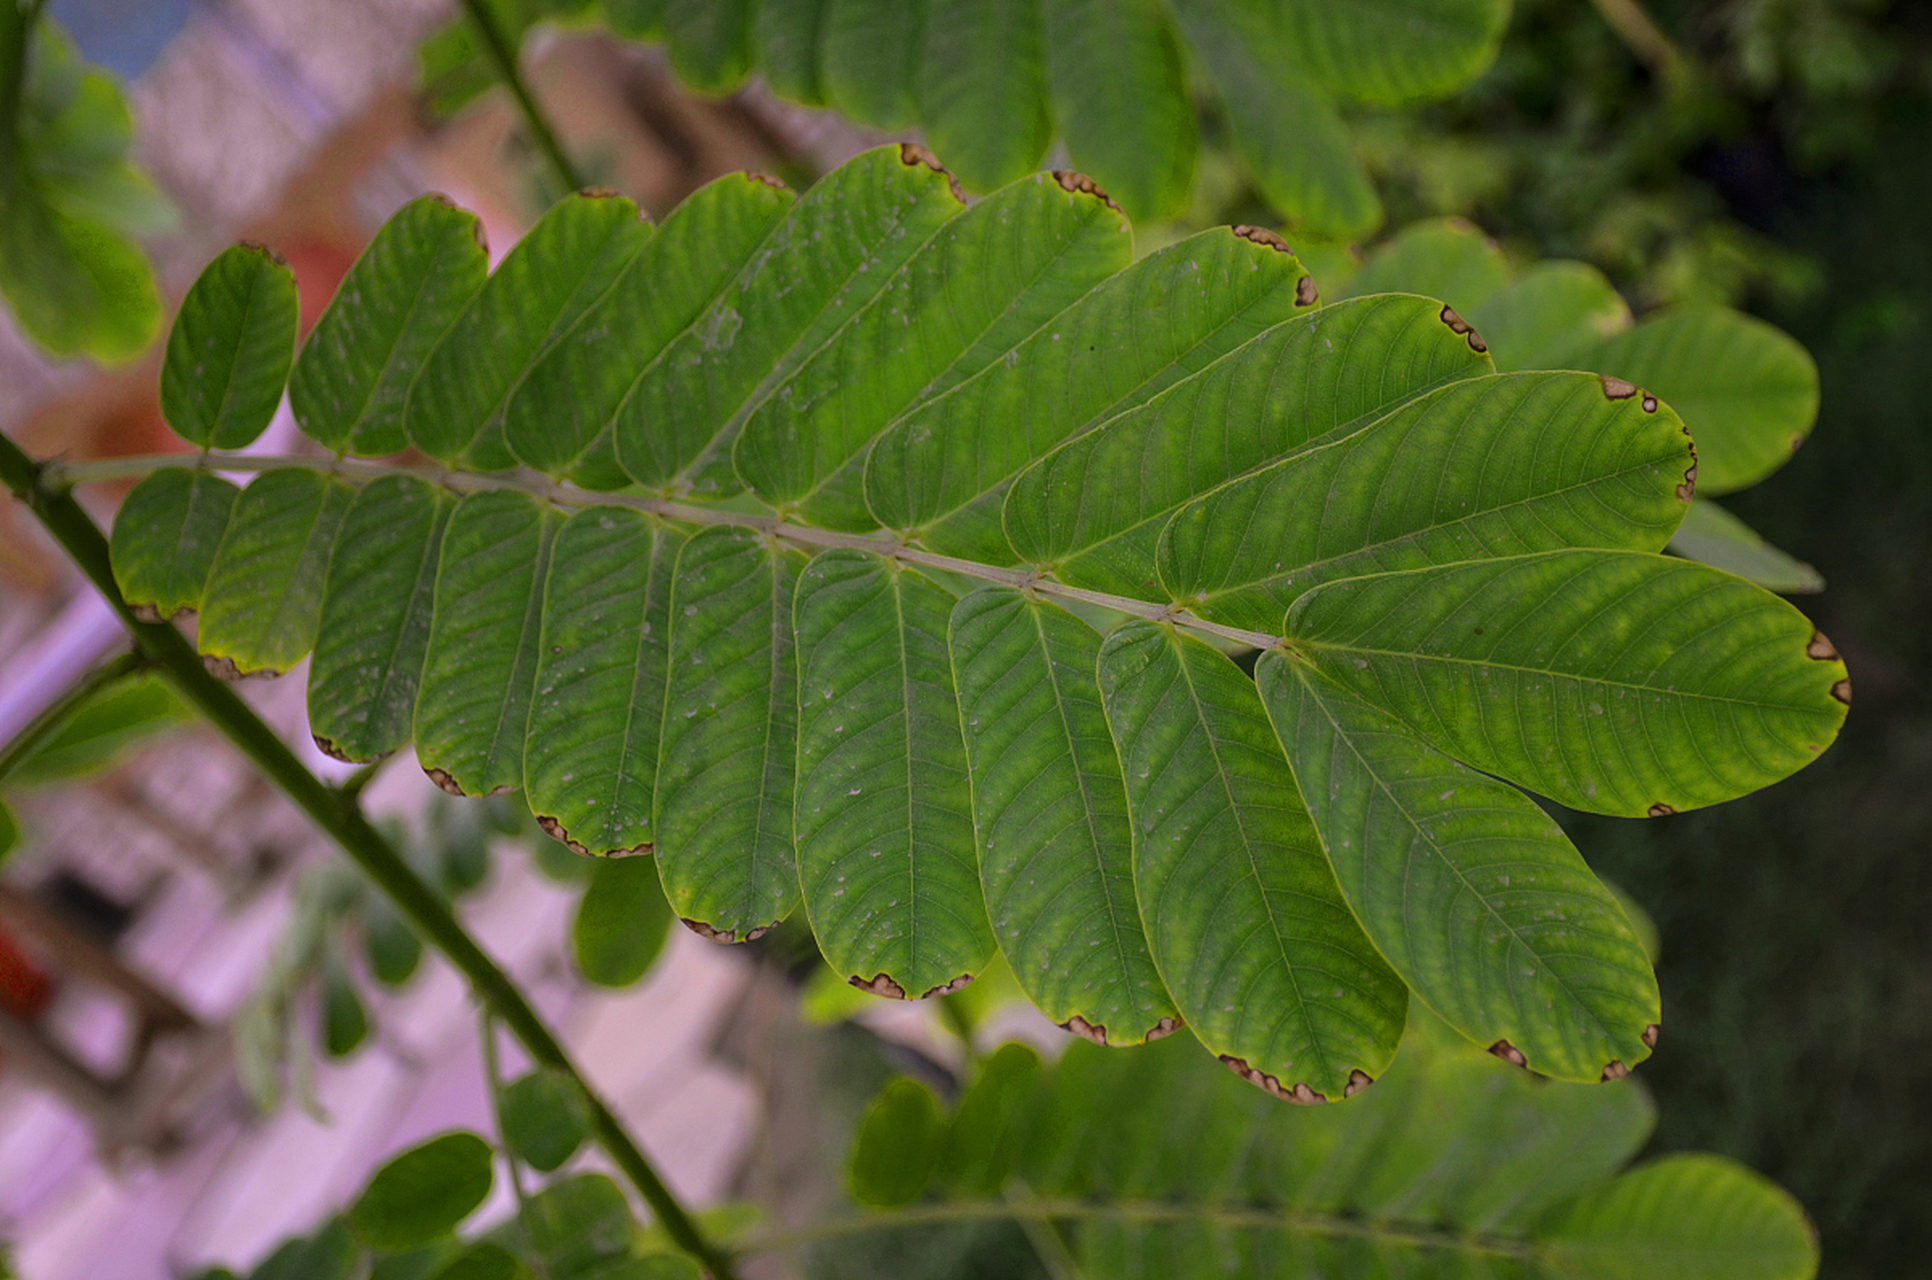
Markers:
point(341, 819)
point(78, 473)
point(55, 715)
point(1640, 32)
point(505, 58)
point(1144, 1211)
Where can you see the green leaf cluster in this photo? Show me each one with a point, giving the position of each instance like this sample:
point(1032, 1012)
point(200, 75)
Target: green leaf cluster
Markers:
point(70, 203)
point(994, 83)
point(956, 576)
point(1453, 1166)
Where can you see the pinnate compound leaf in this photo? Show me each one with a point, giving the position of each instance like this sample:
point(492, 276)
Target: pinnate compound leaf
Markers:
point(545, 1118)
point(620, 923)
point(1243, 916)
point(897, 1146)
point(421, 1195)
point(1611, 681)
point(971, 294)
point(352, 379)
point(473, 709)
point(1519, 463)
point(264, 595)
point(590, 756)
point(1055, 843)
point(835, 250)
point(566, 265)
point(943, 469)
point(230, 349)
point(1093, 509)
point(883, 816)
point(559, 418)
point(1719, 539)
point(1473, 894)
point(982, 87)
point(1680, 1217)
point(376, 612)
point(165, 538)
point(727, 758)
point(1748, 391)
point(1115, 71)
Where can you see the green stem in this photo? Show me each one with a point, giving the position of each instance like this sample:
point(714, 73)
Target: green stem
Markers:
point(505, 58)
point(77, 473)
point(343, 821)
point(1641, 34)
point(1150, 1212)
point(54, 716)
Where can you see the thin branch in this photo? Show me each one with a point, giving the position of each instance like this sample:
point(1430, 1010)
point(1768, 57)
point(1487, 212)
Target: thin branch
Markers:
point(1153, 1212)
point(505, 58)
point(344, 822)
point(1640, 32)
point(49, 720)
point(78, 473)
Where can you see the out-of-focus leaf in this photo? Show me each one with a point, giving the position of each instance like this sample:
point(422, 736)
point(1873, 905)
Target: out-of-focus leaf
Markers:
point(329, 1254)
point(421, 1195)
point(621, 922)
point(898, 1145)
point(393, 949)
point(1721, 540)
point(102, 730)
point(545, 1118)
point(345, 1022)
point(578, 1224)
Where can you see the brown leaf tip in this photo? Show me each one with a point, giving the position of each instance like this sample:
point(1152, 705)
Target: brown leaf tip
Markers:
point(1300, 1093)
point(1305, 292)
point(960, 983)
point(1162, 1029)
point(1821, 648)
point(1086, 1030)
point(725, 936)
point(329, 749)
point(1358, 1080)
point(1615, 1070)
point(1459, 325)
point(1842, 691)
point(1617, 388)
point(879, 985)
point(555, 830)
point(759, 175)
point(1660, 810)
point(224, 669)
point(911, 153)
point(1075, 183)
point(443, 781)
point(256, 246)
point(147, 613)
point(1509, 1053)
point(1650, 1036)
point(1261, 236)
point(598, 193)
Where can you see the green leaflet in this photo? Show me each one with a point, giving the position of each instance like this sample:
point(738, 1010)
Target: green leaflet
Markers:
point(1055, 844)
point(544, 1116)
point(230, 349)
point(1748, 391)
point(1548, 315)
point(1115, 68)
point(1683, 1217)
point(621, 922)
point(1093, 508)
point(982, 87)
point(1444, 258)
point(709, 42)
point(264, 595)
point(165, 538)
point(869, 53)
point(566, 265)
point(943, 470)
point(987, 1128)
point(1390, 52)
point(590, 759)
point(352, 379)
point(421, 1195)
point(1243, 916)
point(1519, 463)
point(726, 759)
point(897, 1145)
point(558, 420)
point(374, 629)
point(787, 34)
point(970, 294)
point(1473, 894)
point(344, 1021)
point(1611, 681)
point(1719, 539)
point(474, 706)
point(883, 817)
point(833, 252)
point(1285, 126)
